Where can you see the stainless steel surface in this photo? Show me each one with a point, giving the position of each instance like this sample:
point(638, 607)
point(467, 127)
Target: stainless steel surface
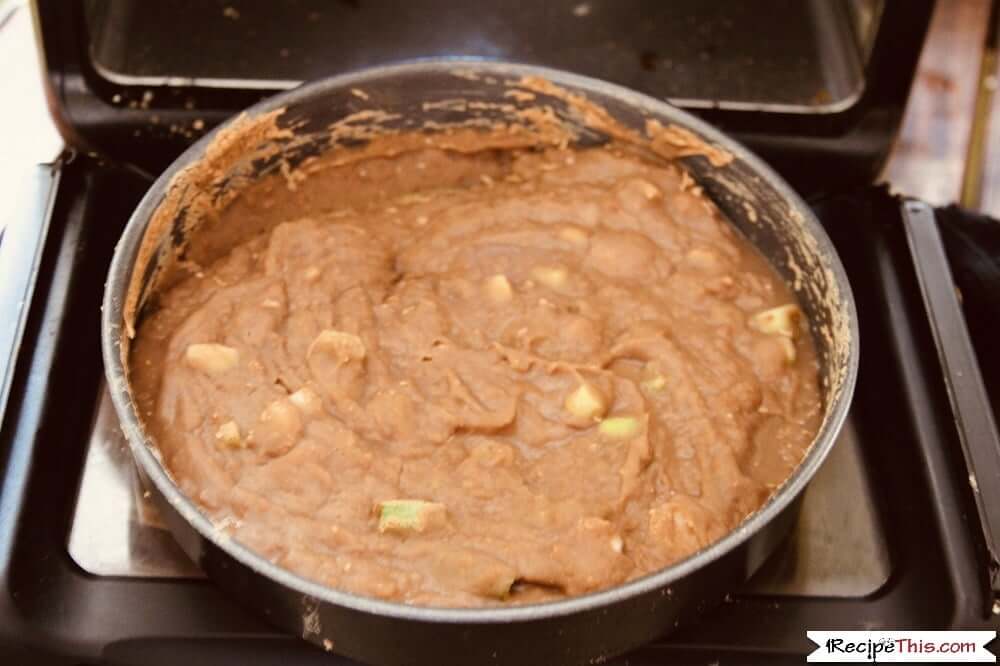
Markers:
point(116, 529)
point(835, 550)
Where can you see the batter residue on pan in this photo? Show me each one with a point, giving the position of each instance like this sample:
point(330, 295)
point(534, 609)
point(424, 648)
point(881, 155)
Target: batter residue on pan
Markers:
point(464, 379)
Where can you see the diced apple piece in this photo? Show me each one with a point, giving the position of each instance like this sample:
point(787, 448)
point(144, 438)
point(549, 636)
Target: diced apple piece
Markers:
point(343, 346)
point(278, 428)
point(649, 190)
point(654, 383)
point(553, 277)
point(409, 515)
point(498, 288)
point(307, 401)
point(619, 427)
point(228, 435)
point(280, 413)
point(586, 402)
point(211, 358)
point(782, 320)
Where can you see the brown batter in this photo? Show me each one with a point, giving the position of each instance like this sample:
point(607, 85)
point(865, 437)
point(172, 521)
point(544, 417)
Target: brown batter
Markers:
point(568, 357)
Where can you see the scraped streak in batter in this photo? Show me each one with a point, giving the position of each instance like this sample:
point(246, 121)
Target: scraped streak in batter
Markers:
point(555, 350)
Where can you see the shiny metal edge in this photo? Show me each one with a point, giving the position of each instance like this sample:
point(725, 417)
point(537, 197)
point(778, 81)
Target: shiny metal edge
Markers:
point(20, 257)
point(977, 430)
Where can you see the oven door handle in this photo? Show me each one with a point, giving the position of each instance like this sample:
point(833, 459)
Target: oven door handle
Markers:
point(21, 242)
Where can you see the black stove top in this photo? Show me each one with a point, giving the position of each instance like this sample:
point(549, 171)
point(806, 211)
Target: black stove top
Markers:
point(888, 535)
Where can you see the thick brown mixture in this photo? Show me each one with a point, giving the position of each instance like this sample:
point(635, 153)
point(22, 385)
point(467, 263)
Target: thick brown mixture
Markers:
point(464, 380)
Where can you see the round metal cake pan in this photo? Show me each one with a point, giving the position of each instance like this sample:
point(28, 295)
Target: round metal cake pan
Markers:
point(575, 630)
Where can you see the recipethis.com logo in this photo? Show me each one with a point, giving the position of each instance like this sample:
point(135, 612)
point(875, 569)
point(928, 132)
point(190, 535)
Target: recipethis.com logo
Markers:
point(902, 646)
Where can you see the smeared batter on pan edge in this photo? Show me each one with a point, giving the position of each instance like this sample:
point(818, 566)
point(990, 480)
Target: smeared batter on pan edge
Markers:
point(466, 379)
